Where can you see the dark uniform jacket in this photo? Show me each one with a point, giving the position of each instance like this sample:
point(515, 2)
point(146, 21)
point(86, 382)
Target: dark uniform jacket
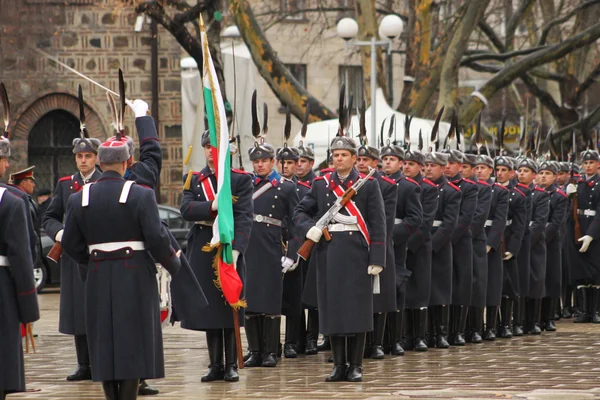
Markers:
point(264, 285)
point(516, 224)
point(71, 318)
point(418, 254)
point(537, 231)
point(446, 218)
point(33, 237)
point(524, 257)
point(345, 291)
point(480, 264)
point(18, 297)
point(196, 207)
point(494, 229)
point(557, 216)
point(122, 303)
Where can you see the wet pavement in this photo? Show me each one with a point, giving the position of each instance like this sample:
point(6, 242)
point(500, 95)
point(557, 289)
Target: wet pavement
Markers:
point(560, 365)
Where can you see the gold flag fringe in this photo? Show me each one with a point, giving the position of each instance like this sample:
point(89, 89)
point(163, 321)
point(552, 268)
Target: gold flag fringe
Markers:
point(241, 303)
point(188, 181)
point(234, 199)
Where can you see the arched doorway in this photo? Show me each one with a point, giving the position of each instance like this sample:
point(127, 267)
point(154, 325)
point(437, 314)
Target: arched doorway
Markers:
point(50, 147)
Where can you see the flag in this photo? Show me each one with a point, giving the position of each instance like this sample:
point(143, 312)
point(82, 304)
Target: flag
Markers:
point(227, 278)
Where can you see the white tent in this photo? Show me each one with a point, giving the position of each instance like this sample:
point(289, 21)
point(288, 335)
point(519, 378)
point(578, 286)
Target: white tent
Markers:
point(319, 134)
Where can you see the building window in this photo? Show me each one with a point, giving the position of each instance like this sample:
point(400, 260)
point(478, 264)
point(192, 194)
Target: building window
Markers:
point(352, 76)
point(292, 9)
point(298, 71)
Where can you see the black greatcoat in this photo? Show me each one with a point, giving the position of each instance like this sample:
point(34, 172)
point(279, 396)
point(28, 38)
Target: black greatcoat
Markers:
point(462, 243)
point(71, 317)
point(494, 229)
point(195, 207)
point(446, 217)
point(584, 268)
point(264, 284)
point(480, 261)
point(18, 297)
point(309, 268)
point(556, 219)
point(345, 290)
point(537, 231)
point(122, 303)
point(31, 232)
point(409, 216)
point(524, 257)
point(385, 301)
point(418, 254)
point(517, 223)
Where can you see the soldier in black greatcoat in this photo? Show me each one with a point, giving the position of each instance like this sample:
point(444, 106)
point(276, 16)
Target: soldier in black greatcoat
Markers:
point(18, 297)
point(537, 232)
point(113, 227)
point(446, 218)
point(71, 317)
point(347, 262)
point(558, 204)
point(567, 290)
point(408, 218)
point(199, 205)
point(494, 229)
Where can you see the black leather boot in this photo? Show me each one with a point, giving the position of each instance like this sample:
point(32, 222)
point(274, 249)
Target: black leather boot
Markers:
point(491, 317)
point(325, 345)
point(419, 329)
point(254, 337)
point(291, 329)
point(593, 307)
point(408, 343)
point(376, 350)
point(356, 345)
point(214, 341)
point(146, 390)
point(506, 310)
point(395, 321)
point(567, 301)
point(459, 323)
point(230, 374)
point(301, 334)
point(272, 337)
point(582, 298)
point(534, 319)
point(338, 348)
point(83, 371)
point(442, 322)
point(111, 390)
point(128, 389)
point(548, 309)
point(312, 332)
point(476, 319)
point(518, 317)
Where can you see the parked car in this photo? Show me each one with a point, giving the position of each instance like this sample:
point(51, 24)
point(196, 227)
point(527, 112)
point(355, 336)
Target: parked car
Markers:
point(47, 271)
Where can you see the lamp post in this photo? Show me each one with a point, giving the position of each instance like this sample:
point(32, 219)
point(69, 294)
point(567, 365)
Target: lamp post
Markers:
point(390, 28)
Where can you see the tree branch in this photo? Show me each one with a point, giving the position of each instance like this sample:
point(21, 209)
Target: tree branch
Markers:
point(587, 83)
point(543, 96)
point(537, 72)
point(500, 56)
point(592, 119)
point(488, 31)
point(514, 21)
point(566, 17)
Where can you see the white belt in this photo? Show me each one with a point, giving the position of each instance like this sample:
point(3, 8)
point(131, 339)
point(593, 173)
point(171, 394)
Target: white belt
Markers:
point(587, 213)
point(205, 223)
point(488, 222)
point(267, 220)
point(437, 222)
point(114, 246)
point(342, 227)
point(397, 221)
point(4, 261)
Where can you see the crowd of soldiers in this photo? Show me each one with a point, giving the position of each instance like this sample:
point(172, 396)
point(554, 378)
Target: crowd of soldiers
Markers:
point(388, 249)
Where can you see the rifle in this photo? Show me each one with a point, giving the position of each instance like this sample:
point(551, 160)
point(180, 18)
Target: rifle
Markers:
point(574, 201)
point(55, 252)
point(340, 203)
point(239, 146)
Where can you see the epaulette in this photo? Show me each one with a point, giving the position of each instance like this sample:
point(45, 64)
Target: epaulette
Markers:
point(501, 186)
point(469, 181)
point(326, 170)
point(239, 171)
point(388, 180)
point(561, 193)
point(580, 180)
point(304, 184)
point(411, 180)
point(65, 178)
point(484, 183)
point(540, 190)
point(427, 181)
point(452, 185)
point(363, 175)
point(518, 191)
point(319, 178)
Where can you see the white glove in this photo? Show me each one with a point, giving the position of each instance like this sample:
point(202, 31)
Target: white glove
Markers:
point(139, 107)
point(58, 236)
point(508, 255)
point(286, 264)
point(215, 204)
point(585, 243)
point(179, 253)
point(374, 270)
point(314, 234)
point(488, 248)
point(571, 188)
point(236, 255)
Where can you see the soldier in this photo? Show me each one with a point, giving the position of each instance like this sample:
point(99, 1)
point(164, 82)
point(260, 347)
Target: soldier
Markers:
point(44, 197)
point(18, 295)
point(537, 264)
point(446, 218)
point(305, 164)
point(462, 248)
point(199, 205)
point(111, 226)
point(72, 288)
point(480, 264)
point(516, 224)
point(494, 229)
point(346, 263)
point(385, 301)
point(569, 301)
point(25, 181)
point(556, 219)
point(408, 218)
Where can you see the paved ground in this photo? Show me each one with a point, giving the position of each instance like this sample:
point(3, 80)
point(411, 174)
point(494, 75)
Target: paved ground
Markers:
point(562, 365)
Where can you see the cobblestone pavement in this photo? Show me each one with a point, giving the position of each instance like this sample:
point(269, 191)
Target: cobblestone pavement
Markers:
point(562, 365)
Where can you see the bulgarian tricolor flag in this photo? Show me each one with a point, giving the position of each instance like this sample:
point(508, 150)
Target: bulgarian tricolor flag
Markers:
point(228, 280)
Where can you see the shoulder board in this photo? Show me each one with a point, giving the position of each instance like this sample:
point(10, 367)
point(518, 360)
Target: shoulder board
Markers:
point(362, 176)
point(518, 191)
point(388, 180)
point(561, 193)
point(540, 190)
point(484, 183)
point(522, 185)
point(411, 180)
point(303, 184)
point(452, 185)
point(427, 181)
point(501, 186)
point(239, 171)
point(469, 181)
point(319, 178)
point(580, 180)
point(65, 178)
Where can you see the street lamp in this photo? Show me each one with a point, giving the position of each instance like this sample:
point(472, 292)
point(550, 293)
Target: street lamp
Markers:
point(390, 28)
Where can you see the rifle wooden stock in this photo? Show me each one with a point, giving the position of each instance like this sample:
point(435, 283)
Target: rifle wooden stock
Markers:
point(55, 252)
point(577, 228)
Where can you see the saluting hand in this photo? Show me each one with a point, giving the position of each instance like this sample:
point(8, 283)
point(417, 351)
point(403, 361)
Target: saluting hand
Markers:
point(139, 107)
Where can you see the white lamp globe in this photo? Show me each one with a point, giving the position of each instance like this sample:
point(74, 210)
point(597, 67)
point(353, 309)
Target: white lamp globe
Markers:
point(391, 27)
point(232, 32)
point(347, 28)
